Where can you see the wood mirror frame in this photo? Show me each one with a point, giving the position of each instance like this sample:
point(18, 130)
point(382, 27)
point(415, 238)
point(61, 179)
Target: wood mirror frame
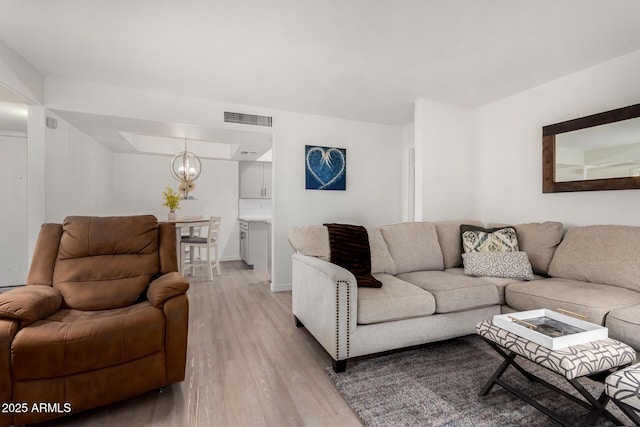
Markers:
point(549, 184)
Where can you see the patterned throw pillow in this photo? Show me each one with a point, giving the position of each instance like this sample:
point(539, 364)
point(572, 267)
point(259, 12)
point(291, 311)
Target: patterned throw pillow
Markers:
point(510, 265)
point(478, 239)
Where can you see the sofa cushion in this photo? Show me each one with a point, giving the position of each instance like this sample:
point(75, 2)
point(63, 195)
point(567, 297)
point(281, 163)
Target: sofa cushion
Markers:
point(508, 265)
point(454, 292)
point(539, 241)
point(381, 261)
point(589, 299)
point(413, 246)
point(624, 325)
point(606, 254)
point(450, 243)
point(479, 239)
point(80, 341)
point(395, 300)
point(499, 282)
point(106, 262)
point(311, 240)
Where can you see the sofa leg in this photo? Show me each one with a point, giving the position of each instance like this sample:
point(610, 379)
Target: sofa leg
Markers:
point(298, 322)
point(339, 366)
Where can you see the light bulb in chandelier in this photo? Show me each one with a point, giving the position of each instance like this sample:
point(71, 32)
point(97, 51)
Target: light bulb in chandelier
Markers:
point(186, 168)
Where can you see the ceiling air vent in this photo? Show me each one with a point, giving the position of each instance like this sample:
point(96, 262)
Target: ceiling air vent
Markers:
point(247, 119)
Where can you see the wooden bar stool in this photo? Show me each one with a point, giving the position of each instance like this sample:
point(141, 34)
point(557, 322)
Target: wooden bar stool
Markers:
point(208, 243)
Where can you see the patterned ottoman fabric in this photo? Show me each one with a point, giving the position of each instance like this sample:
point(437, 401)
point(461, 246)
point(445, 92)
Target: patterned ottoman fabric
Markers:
point(624, 386)
point(570, 362)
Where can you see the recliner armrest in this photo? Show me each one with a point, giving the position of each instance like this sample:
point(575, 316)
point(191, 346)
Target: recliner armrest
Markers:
point(166, 286)
point(8, 330)
point(30, 303)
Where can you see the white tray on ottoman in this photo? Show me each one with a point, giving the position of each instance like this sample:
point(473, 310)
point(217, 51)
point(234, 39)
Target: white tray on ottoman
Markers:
point(550, 329)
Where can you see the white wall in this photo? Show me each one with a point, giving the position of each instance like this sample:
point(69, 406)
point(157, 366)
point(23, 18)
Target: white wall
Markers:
point(139, 179)
point(445, 152)
point(78, 174)
point(374, 179)
point(22, 79)
point(509, 154)
point(36, 175)
point(408, 172)
point(13, 193)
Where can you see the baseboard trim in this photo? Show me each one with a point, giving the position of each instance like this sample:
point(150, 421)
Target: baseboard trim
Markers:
point(280, 288)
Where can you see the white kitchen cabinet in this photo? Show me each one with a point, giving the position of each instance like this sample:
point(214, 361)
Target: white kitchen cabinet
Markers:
point(255, 180)
point(254, 244)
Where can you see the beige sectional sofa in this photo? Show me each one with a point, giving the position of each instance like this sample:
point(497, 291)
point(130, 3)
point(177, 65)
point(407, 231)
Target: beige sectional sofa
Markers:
point(427, 297)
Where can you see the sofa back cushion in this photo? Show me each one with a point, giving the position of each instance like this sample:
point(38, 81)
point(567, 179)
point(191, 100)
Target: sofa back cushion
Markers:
point(106, 262)
point(313, 240)
point(450, 242)
point(539, 240)
point(381, 261)
point(605, 254)
point(413, 246)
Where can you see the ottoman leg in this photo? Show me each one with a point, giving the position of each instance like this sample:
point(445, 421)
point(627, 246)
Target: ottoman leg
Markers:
point(496, 375)
point(598, 405)
point(509, 360)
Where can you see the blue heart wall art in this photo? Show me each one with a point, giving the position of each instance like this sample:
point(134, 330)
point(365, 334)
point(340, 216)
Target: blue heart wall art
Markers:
point(325, 168)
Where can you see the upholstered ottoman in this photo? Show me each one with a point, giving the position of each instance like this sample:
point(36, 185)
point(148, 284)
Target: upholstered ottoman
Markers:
point(570, 363)
point(623, 387)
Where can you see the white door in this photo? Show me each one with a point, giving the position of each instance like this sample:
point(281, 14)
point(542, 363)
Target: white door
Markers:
point(13, 227)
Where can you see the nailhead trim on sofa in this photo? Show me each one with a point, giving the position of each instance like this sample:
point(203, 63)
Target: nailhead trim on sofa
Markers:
point(342, 282)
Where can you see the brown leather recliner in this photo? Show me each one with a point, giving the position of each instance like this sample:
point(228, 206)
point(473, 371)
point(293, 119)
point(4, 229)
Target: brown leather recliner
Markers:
point(103, 318)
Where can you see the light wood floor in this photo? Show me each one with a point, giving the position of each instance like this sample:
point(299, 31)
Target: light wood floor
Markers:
point(247, 365)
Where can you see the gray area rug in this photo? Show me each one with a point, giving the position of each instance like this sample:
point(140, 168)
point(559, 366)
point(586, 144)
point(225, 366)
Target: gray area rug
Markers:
point(438, 385)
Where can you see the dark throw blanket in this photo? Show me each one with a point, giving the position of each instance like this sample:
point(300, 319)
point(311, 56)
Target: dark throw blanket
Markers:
point(350, 249)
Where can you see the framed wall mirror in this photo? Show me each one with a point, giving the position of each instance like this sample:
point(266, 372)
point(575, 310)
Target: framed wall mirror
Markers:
point(597, 152)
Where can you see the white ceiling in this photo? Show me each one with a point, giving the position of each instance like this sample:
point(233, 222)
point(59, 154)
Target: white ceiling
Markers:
point(359, 59)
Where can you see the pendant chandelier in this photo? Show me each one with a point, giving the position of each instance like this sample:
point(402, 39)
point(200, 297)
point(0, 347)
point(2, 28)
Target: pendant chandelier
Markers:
point(186, 168)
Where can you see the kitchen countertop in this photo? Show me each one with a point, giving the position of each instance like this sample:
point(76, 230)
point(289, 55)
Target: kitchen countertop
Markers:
point(260, 218)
